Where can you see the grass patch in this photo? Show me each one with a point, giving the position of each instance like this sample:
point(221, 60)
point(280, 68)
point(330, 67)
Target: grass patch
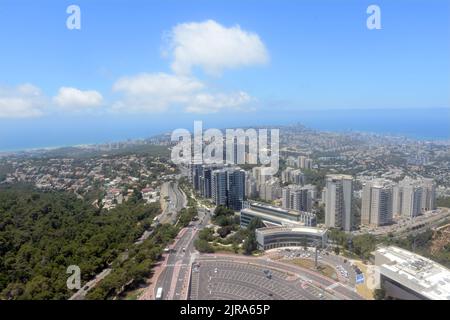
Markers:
point(132, 295)
point(321, 268)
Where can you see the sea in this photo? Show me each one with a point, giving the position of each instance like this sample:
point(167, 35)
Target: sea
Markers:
point(22, 134)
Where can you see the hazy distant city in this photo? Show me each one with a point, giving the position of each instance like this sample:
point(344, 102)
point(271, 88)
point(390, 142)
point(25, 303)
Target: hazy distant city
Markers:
point(338, 203)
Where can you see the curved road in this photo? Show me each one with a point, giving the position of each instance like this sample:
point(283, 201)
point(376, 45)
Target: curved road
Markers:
point(177, 201)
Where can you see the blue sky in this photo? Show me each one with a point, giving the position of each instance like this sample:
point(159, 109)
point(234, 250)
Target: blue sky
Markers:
point(294, 57)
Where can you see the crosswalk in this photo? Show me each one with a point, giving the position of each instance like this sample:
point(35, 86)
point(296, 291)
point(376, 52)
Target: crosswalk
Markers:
point(334, 285)
point(194, 286)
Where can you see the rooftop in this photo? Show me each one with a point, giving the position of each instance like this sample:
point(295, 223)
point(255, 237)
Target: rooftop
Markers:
point(276, 210)
point(418, 273)
point(271, 217)
point(299, 229)
point(339, 177)
point(381, 183)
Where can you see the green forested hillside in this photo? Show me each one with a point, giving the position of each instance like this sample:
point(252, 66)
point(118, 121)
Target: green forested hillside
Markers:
point(43, 233)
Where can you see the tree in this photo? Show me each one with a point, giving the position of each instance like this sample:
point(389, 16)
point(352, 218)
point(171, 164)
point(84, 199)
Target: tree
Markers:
point(135, 197)
point(320, 214)
point(41, 233)
point(441, 202)
point(337, 250)
point(379, 294)
point(203, 246)
point(338, 237)
point(206, 234)
point(364, 245)
point(250, 243)
point(223, 221)
point(223, 211)
point(224, 231)
point(186, 216)
point(254, 224)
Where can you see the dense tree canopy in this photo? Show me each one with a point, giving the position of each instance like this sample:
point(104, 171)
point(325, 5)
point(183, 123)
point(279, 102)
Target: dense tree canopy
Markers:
point(130, 272)
point(443, 202)
point(41, 234)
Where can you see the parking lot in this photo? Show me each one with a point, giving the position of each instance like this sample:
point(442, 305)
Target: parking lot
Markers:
point(225, 280)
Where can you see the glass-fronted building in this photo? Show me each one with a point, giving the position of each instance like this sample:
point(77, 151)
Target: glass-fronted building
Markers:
point(277, 237)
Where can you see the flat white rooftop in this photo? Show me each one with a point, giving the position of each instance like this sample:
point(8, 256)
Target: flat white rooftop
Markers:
point(339, 176)
point(418, 273)
point(273, 209)
point(287, 212)
point(303, 230)
point(270, 217)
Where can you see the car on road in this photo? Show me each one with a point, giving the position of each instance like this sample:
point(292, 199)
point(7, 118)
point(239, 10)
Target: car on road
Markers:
point(268, 273)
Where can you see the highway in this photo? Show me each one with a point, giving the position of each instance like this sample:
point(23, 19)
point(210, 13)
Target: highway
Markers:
point(81, 293)
point(175, 276)
point(403, 227)
point(177, 201)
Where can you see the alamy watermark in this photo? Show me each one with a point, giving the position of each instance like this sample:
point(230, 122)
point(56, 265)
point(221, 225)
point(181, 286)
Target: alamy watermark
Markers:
point(374, 20)
point(73, 21)
point(74, 280)
point(238, 146)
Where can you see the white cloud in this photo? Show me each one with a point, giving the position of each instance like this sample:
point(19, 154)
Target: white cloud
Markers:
point(214, 47)
point(207, 45)
point(154, 92)
point(210, 103)
point(77, 99)
point(157, 92)
point(23, 101)
point(157, 84)
point(30, 90)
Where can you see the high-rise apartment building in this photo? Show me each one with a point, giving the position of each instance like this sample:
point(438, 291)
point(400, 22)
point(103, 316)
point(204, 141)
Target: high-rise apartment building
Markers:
point(297, 198)
point(235, 188)
point(338, 202)
point(290, 175)
point(219, 187)
point(305, 162)
point(270, 190)
point(377, 202)
point(202, 178)
point(228, 187)
point(411, 200)
point(412, 197)
point(428, 195)
point(250, 186)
